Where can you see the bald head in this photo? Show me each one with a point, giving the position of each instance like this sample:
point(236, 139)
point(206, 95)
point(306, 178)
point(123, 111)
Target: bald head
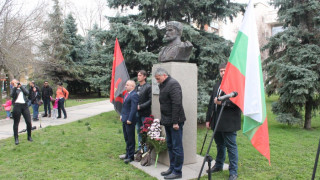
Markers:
point(130, 85)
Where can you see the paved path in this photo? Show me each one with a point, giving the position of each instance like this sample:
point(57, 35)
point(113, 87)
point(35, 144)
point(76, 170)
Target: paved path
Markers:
point(74, 113)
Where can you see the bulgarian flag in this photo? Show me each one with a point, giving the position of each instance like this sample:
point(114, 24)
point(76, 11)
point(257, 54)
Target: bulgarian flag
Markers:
point(118, 79)
point(244, 75)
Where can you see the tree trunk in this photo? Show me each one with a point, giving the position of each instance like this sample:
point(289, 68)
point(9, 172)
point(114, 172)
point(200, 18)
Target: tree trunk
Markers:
point(308, 111)
point(99, 92)
point(1, 91)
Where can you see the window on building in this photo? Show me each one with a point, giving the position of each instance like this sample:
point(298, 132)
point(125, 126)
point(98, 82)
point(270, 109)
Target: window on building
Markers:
point(276, 29)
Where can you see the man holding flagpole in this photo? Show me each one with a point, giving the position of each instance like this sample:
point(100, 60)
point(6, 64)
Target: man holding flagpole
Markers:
point(243, 74)
point(226, 134)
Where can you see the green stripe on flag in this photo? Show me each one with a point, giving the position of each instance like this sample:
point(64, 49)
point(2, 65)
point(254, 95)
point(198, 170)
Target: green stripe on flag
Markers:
point(250, 126)
point(238, 55)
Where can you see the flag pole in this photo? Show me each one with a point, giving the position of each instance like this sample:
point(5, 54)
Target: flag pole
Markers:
point(316, 162)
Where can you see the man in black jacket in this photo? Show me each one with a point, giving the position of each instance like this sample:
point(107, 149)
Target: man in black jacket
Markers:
point(19, 100)
point(227, 128)
point(172, 118)
point(143, 89)
point(46, 92)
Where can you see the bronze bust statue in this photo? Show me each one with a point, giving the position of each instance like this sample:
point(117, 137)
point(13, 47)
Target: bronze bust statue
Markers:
point(175, 49)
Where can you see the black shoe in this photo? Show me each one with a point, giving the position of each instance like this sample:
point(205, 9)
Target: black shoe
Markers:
point(233, 177)
point(16, 140)
point(35, 119)
point(49, 115)
point(30, 139)
point(214, 169)
point(58, 117)
point(166, 173)
point(65, 117)
point(127, 161)
point(173, 176)
point(45, 115)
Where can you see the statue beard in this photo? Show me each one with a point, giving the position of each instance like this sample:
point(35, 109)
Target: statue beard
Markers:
point(168, 39)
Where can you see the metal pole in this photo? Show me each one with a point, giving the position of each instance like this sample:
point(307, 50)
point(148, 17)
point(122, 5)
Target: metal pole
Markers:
point(204, 141)
point(316, 162)
point(207, 157)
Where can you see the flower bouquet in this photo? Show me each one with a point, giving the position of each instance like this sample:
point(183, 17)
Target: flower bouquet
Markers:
point(155, 140)
point(144, 130)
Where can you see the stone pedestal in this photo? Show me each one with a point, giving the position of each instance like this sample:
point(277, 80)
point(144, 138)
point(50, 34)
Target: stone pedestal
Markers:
point(186, 74)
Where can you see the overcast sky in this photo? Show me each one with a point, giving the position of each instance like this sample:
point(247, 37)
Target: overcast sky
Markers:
point(86, 12)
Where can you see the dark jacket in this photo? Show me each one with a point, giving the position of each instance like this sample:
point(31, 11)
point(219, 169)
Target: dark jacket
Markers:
point(231, 116)
point(171, 102)
point(129, 107)
point(15, 92)
point(144, 93)
point(35, 96)
point(46, 92)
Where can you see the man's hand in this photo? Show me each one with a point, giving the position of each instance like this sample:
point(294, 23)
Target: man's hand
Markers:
point(129, 122)
point(216, 101)
point(138, 107)
point(120, 118)
point(208, 125)
point(176, 126)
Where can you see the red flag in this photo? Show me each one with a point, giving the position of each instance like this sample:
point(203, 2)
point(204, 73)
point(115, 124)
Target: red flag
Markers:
point(118, 79)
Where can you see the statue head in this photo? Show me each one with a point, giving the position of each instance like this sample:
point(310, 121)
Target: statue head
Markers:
point(173, 31)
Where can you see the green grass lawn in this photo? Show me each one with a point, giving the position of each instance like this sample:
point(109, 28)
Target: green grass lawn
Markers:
point(89, 149)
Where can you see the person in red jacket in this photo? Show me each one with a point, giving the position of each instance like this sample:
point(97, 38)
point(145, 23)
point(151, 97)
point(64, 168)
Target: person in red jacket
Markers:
point(62, 94)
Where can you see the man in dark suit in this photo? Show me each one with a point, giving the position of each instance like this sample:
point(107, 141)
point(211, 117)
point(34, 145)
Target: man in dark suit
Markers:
point(227, 128)
point(128, 119)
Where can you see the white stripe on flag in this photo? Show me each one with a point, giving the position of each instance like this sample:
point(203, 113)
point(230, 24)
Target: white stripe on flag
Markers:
point(252, 96)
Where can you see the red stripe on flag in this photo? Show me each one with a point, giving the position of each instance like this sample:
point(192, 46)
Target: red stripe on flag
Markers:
point(260, 140)
point(234, 80)
point(119, 99)
point(117, 53)
point(119, 77)
point(117, 59)
point(117, 83)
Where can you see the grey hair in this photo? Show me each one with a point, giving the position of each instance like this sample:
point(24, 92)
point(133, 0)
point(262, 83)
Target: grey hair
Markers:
point(132, 82)
point(161, 71)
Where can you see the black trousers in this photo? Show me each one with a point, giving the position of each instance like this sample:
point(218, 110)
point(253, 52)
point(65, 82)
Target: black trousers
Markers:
point(46, 105)
point(129, 137)
point(61, 107)
point(19, 109)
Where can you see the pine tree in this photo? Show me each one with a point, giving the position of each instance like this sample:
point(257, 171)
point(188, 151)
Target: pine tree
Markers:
point(58, 64)
point(293, 67)
point(140, 42)
point(98, 62)
point(75, 44)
